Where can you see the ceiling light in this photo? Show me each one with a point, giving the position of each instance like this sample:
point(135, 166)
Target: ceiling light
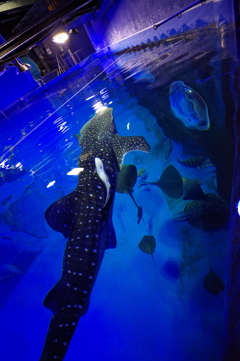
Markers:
point(60, 38)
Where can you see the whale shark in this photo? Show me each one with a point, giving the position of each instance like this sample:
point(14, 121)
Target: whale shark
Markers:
point(85, 218)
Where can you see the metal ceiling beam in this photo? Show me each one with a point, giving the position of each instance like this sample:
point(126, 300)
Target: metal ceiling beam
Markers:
point(9, 19)
point(9, 5)
point(29, 37)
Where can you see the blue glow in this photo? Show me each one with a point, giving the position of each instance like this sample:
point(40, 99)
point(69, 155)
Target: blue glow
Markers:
point(238, 208)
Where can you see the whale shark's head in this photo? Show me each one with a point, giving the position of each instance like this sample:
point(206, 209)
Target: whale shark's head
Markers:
point(99, 138)
point(100, 129)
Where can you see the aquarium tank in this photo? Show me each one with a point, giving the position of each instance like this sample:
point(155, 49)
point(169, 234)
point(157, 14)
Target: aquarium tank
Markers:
point(119, 202)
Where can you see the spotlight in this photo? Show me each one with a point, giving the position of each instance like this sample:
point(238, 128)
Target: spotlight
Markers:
point(60, 38)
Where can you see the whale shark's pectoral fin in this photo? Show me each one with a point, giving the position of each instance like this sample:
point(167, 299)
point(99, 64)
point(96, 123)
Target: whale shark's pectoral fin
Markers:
point(62, 214)
point(54, 297)
point(124, 145)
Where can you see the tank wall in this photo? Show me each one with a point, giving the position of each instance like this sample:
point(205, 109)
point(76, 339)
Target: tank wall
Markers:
point(118, 21)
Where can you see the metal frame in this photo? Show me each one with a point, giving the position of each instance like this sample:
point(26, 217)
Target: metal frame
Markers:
point(24, 41)
point(179, 13)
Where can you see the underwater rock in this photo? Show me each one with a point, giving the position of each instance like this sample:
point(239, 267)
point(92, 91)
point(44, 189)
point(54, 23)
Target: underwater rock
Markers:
point(6, 200)
point(6, 218)
point(8, 271)
point(12, 174)
point(208, 215)
point(188, 106)
point(22, 216)
point(14, 264)
point(12, 191)
point(169, 150)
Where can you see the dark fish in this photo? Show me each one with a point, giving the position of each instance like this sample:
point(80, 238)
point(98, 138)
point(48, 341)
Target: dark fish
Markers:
point(148, 245)
point(126, 181)
point(85, 218)
point(213, 283)
point(127, 178)
point(196, 161)
point(170, 182)
point(209, 214)
point(174, 185)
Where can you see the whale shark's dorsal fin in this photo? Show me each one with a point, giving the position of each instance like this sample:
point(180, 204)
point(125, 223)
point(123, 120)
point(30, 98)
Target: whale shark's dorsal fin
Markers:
point(124, 145)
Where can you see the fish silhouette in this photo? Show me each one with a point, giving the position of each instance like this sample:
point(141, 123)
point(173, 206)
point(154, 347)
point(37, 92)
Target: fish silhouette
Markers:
point(170, 182)
point(85, 218)
point(126, 180)
point(174, 185)
point(188, 106)
point(213, 283)
point(209, 214)
point(148, 245)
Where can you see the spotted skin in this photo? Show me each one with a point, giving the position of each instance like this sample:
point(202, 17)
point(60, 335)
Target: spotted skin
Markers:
point(85, 218)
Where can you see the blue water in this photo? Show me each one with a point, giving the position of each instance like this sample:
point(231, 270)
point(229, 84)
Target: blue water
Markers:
point(138, 310)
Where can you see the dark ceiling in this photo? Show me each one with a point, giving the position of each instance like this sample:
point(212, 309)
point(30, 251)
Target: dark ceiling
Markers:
point(26, 23)
point(18, 15)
